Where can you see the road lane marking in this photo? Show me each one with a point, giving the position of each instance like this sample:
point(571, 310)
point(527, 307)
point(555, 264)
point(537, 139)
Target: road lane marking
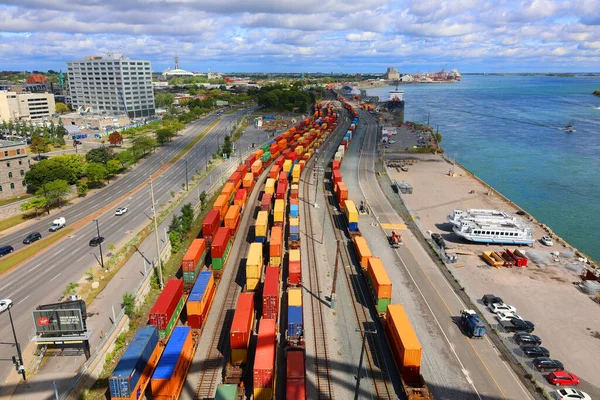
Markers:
point(35, 267)
point(81, 258)
point(24, 299)
point(5, 286)
point(74, 251)
point(58, 252)
point(57, 275)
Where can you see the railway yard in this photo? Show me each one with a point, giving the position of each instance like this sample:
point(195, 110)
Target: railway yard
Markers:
point(294, 289)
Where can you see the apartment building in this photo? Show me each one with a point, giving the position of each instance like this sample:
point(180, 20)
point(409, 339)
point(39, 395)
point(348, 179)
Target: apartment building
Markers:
point(24, 106)
point(113, 84)
point(13, 167)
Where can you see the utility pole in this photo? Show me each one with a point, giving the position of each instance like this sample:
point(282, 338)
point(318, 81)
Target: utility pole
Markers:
point(158, 260)
point(18, 363)
point(362, 355)
point(335, 272)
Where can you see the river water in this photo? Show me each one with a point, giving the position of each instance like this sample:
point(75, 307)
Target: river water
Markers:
point(506, 130)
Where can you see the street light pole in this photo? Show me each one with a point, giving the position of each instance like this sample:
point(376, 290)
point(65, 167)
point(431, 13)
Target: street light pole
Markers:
point(158, 261)
point(20, 367)
point(99, 244)
point(360, 361)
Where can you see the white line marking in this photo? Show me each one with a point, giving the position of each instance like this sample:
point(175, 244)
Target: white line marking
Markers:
point(35, 267)
point(5, 286)
point(58, 252)
point(24, 299)
point(74, 251)
point(81, 258)
point(57, 275)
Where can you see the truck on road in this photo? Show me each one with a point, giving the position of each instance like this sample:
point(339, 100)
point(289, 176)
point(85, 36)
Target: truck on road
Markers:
point(57, 224)
point(472, 324)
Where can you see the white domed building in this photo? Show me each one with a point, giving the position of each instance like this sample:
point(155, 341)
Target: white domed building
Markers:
point(168, 73)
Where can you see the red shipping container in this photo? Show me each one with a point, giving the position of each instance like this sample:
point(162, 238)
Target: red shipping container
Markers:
point(210, 225)
point(265, 202)
point(283, 176)
point(292, 156)
point(240, 197)
point(295, 389)
point(192, 255)
point(264, 360)
point(295, 272)
point(294, 201)
point(220, 242)
point(337, 176)
point(286, 152)
point(271, 293)
point(280, 160)
point(242, 169)
point(236, 179)
point(241, 326)
point(249, 161)
point(163, 309)
point(274, 172)
point(294, 194)
point(335, 165)
point(295, 365)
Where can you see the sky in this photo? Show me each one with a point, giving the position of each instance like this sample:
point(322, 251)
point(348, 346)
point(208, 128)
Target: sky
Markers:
point(307, 36)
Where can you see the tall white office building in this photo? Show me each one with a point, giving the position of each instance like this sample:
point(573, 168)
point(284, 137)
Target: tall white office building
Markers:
point(113, 84)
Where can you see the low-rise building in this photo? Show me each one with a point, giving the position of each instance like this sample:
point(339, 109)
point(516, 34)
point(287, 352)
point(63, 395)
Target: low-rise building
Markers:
point(18, 106)
point(13, 167)
point(93, 121)
point(392, 74)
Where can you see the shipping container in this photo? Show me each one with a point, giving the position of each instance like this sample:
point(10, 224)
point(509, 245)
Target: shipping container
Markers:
point(229, 392)
point(335, 165)
point(254, 264)
point(294, 232)
point(279, 213)
point(287, 165)
point(241, 328)
point(256, 168)
point(240, 198)
point(264, 360)
point(341, 193)
point(210, 225)
point(134, 370)
point(220, 248)
point(295, 323)
point(232, 218)
point(294, 211)
point(248, 181)
point(274, 172)
point(271, 293)
point(296, 174)
point(249, 161)
point(221, 205)
point(200, 299)
point(295, 297)
point(283, 177)
point(294, 267)
point(351, 211)
point(276, 246)
point(336, 176)
point(194, 256)
point(270, 186)
point(403, 340)
point(362, 250)
point(170, 374)
point(265, 202)
point(236, 179)
point(168, 306)
point(229, 191)
point(379, 284)
point(261, 226)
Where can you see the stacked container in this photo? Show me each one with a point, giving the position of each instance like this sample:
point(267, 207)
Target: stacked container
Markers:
point(229, 191)
point(134, 370)
point(379, 284)
point(256, 168)
point(171, 371)
point(228, 392)
point(294, 237)
point(294, 211)
point(404, 343)
point(261, 226)
point(279, 213)
point(296, 174)
point(192, 262)
point(240, 198)
point(265, 202)
point(221, 205)
point(295, 322)
point(341, 193)
point(274, 172)
point(232, 218)
point(335, 165)
point(271, 293)
point(276, 246)
point(351, 215)
point(294, 191)
point(264, 361)
point(236, 179)
point(254, 265)
point(281, 191)
point(200, 299)
point(166, 310)
point(294, 268)
point(248, 181)
point(220, 248)
point(270, 186)
point(362, 250)
point(210, 225)
point(295, 380)
point(241, 328)
point(287, 167)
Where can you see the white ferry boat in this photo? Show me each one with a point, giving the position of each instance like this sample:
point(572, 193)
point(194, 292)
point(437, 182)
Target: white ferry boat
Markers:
point(486, 232)
point(477, 214)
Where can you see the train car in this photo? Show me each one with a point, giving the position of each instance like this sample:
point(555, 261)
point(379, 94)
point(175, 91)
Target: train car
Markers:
point(276, 246)
point(192, 262)
point(265, 202)
point(281, 191)
point(261, 227)
point(248, 181)
point(254, 266)
point(294, 268)
point(294, 233)
point(379, 284)
point(279, 213)
point(220, 249)
point(229, 191)
point(221, 205)
point(170, 374)
point(295, 377)
point(271, 293)
point(352, 218)
point(341, 193)
point(200, 300)
point(294, 191)
point(233, 218)
point(263, 372)
point(236, 179)
point(210, 225)
point(362, 251)
point(241, 328)
point(227, 391)
point(168, 306)
point(295, 319)
point(240, 198)
point(294, 211)
point(133, 372)
point(296, 172)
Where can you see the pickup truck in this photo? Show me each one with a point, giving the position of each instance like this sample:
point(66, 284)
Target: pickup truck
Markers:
point(472, 324)
point(57, 224)
point(517, 325)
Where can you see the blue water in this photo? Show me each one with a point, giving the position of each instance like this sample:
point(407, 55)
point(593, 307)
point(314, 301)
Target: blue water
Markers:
point(505, 129)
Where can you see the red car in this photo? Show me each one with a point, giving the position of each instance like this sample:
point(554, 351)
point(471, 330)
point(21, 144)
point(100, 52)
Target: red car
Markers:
point(558, 378)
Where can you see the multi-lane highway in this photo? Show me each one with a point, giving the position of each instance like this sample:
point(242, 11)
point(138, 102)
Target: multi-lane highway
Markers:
point(44, 277)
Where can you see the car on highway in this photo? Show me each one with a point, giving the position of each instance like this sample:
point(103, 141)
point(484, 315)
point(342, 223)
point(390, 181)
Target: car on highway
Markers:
point(546, 240)
point(526, 339)
point(570, 394)
point(491, 299)
point(4, 250)
point(5, 305)
point(121, 210)
point(96, 240)
point(507, 316)
point(535, 351)
point(562, 378)
point(546, 364)
point(501, 307)
point(32, 237)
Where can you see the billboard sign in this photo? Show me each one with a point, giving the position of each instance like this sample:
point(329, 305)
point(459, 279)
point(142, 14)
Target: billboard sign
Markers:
point(58, 322)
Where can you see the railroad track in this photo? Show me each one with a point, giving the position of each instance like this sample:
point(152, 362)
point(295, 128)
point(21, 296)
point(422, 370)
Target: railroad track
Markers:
point(378, 370)
point(322, 364)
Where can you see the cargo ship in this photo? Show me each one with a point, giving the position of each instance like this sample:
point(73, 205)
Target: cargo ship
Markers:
point(393, 105)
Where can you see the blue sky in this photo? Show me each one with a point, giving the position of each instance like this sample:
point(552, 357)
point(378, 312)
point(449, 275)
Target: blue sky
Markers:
point(309, 35)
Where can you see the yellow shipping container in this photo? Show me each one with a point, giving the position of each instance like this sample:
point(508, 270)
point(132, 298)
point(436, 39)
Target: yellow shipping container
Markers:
point(295, 297)
point(296, 171)
point(270, 186)
point(279, 211)
point(299, 150)
point(252, 283)
point(275, 261)
point(351, 211)
point(294, 221)
point(294, 255)
point(254, 261)
point(239, 356)
point(263, 394)
point(262, 224)
point(287, 165)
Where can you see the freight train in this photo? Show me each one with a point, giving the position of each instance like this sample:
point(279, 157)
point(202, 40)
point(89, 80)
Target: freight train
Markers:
point(157, 360)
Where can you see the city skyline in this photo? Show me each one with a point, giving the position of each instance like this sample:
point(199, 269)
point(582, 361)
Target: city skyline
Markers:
point(316, 36)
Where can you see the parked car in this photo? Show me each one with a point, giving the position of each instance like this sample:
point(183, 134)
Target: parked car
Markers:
point(4, 250)
point(39, 157)
point(517, 325)
point(570, 394)
point(547, 364)
point(501, 307)
point(562, 378)
point(489, 299)
point(438, 239)
point(507, 316)
point(121, 210)
point(32, 237)
point(96, 240)
point(535, 351)
point(546, 240)
point(524, 338)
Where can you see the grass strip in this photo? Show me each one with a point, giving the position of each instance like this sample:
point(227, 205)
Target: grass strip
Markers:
point(191, 144)
point(5, 202)
point(10, 261)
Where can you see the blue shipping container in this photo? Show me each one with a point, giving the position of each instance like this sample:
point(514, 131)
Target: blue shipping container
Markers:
point(353, 226)
point(131, 366)
point(200, 286)
point(294, 211)
point(294, 321)
point(294, 232)
point(170, 358)
point(260, 239)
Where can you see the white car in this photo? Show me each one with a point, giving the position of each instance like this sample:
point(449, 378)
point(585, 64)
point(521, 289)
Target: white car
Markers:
point(507, 316)
point(546, 240)
point(5, 305)
point(502, 307)
point(121, 210)
point(569, 393)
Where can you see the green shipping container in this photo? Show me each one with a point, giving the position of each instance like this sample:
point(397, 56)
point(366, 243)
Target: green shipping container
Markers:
point(380, 304)
point(265, 157)
point(266, 147)
point(219, 263)
point(190, 276)
point(165, 333)
point(227, 392)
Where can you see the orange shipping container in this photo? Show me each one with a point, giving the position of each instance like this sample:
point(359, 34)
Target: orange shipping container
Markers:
point(221, 205)
point(171, 371)
point(379, 278)
point(248, 181)
point(405, 345)
point(341, 193)
point(228, 190)
point(276, 242)
point(256, 167)
point(274, 173)
point(362, 248)
point(232, 218)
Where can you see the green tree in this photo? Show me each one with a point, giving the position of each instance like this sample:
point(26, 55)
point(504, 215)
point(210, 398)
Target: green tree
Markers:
point(203, 200)
point(187, 217)
point(61, 131)
point(227, 147)
point(163, 100)
point(175, 239)
point(36, 204)
point(61, 108)
point(95, 172)
point(67, 167)
point(113, 167)
point(51, 130)
point(270, 100)
point(54, 191)
point(142, 145)
point(74, 164)
point(71, 289)
point(175, 224)
point(164, 135)
point(125, 158)
point(99, 155)
point(82, 189)
point(115, 138)
point(129, 304)
point(39, 144)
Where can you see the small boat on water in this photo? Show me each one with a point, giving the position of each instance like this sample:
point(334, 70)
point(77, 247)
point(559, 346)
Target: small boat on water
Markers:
point(568, 128)
point(499, 232)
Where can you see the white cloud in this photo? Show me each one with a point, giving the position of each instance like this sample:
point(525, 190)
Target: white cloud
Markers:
point(361, 37)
